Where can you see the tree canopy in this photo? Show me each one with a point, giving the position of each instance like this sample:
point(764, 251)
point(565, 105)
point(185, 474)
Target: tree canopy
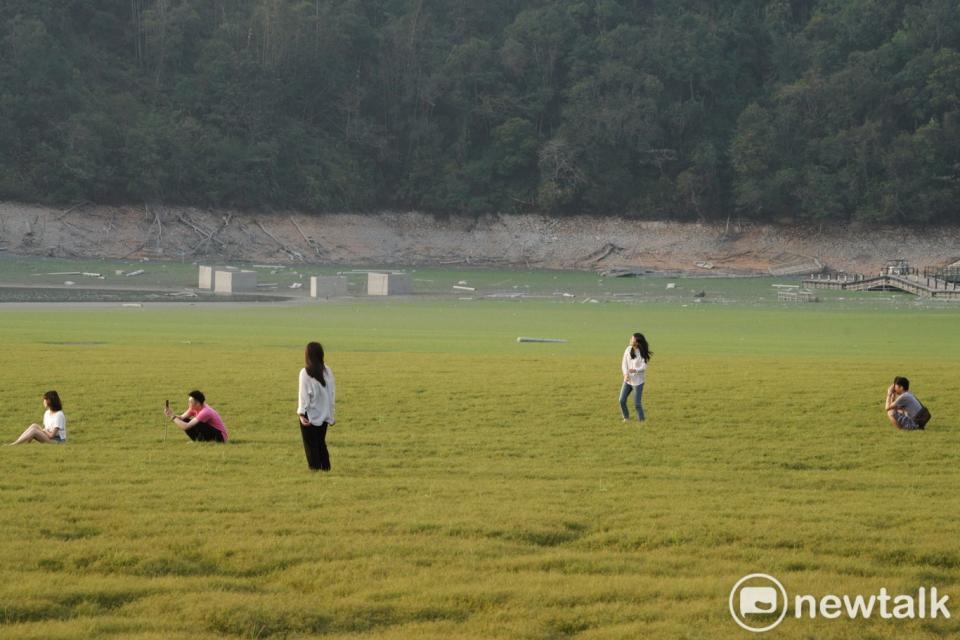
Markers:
point(786, 110)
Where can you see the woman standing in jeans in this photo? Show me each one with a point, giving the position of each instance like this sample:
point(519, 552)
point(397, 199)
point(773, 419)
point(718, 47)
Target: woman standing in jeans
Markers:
point(316, 407)
point(634, 368)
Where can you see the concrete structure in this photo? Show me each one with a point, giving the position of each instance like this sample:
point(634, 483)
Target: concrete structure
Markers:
point(387, 284)
point(207, 277)
point(793, 293)
point(234, 281)
point(327, 286)
point(925, 286)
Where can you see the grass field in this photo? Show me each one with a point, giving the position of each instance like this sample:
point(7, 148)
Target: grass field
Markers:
point(480, 488)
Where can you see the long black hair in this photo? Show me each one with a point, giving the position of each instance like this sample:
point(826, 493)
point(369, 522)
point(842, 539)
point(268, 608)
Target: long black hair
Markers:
point(53, 400)
point(313, 356)
point(645, 352)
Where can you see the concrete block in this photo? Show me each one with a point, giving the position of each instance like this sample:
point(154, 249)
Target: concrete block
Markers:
point(388, 284)
point(327, 286)
point(235, 281)
point(207, 277)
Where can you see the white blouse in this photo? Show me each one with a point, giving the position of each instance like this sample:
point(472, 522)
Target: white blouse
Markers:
point(53, 421)
point(315, 400)
point(637, 363)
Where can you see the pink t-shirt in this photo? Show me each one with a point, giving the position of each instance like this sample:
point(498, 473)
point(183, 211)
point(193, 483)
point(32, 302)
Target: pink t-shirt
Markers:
point(212, 418)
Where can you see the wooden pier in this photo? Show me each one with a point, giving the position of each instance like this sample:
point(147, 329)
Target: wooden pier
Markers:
point(925, 285)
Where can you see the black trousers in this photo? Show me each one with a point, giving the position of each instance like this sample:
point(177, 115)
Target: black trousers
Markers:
point(203, 432)
point(315, 446)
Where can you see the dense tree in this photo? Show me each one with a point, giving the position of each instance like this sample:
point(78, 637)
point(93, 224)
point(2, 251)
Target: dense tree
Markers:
point(787, 110)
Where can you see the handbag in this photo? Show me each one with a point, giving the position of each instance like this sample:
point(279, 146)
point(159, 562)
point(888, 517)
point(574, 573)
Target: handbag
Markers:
point(923, 417)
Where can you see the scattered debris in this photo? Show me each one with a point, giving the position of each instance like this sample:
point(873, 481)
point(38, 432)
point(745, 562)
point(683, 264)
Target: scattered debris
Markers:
point(460, 288)
point(69, 283)
point(568, 295)
point(526, 339)
point(602, 253)
point(91, 275)
point(138, 272)
point(293, 253)
point(462, 282)
point(134, 305)
point(623, 272)
point(704, 265)
point(801, 268)
point(700, 294)
point(296, 285)
point(310, 241)
point(671, 285)
point(61, 273)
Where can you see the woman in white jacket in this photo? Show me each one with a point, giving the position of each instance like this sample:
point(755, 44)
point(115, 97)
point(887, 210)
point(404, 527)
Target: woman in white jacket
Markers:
point(634, 368)
point(315, 407)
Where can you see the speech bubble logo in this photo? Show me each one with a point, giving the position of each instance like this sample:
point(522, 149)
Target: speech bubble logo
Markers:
point(758, 599)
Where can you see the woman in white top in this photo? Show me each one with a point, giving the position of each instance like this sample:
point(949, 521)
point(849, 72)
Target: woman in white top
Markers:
point(634, 368)
point(315, 407)
point(54, 430)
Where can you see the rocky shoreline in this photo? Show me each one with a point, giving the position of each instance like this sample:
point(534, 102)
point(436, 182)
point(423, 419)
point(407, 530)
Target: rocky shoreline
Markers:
point(507, 241)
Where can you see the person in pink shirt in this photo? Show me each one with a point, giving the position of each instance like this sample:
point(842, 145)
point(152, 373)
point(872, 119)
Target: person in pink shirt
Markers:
point(200, 422)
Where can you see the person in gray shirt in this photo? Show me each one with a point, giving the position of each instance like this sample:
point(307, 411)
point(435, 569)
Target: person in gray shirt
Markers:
point(903, 408)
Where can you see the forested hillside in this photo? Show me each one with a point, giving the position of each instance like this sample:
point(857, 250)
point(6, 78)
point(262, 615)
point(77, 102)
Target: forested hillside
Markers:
point(785, 110)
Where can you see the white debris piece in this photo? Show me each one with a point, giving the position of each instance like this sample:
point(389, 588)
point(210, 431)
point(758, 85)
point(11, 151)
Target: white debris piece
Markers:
point(136, 273)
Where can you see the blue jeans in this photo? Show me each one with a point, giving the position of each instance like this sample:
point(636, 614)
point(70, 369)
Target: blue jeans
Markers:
point(624, 392)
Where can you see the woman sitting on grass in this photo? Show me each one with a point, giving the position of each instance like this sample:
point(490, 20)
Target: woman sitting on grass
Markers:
point(54, 430)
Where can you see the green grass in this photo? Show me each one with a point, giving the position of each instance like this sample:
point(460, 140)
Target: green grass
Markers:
point(480, 488)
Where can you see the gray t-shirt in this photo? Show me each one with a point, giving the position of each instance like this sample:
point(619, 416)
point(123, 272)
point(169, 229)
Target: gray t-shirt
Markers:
point(909, 403)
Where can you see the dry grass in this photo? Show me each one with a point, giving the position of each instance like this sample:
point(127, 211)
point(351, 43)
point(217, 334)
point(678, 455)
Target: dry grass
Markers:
point(480, 488)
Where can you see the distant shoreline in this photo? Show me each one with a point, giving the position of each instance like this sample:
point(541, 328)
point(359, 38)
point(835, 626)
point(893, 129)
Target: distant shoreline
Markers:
point(389, 239)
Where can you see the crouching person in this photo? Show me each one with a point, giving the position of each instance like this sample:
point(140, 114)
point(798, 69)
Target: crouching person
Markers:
point(902, 407)
point(200, 422)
